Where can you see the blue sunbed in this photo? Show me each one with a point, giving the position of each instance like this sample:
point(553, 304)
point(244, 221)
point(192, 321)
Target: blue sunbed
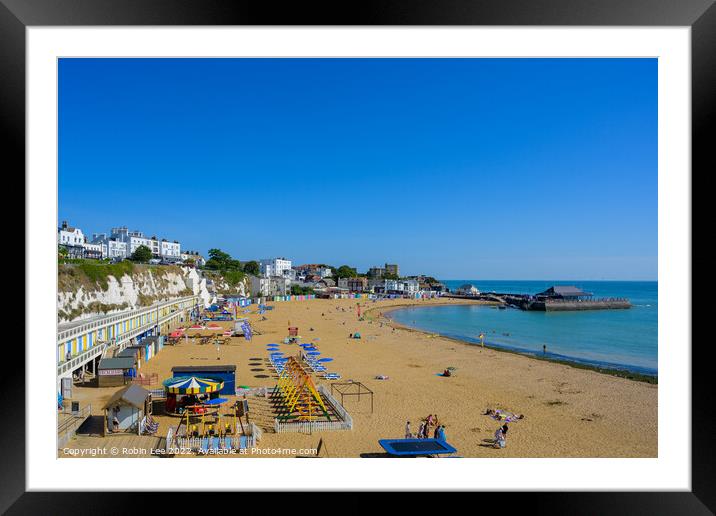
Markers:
point(415, 447)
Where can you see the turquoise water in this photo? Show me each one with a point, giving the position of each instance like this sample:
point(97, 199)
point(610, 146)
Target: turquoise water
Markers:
point(622, 339)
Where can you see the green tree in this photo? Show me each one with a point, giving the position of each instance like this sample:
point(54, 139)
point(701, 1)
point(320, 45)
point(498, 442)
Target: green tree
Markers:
point(390, 276)
point(252, 267)
point(344, 271)
point(62, 250)
point(297, 290)
point(141, 254)
point(218, 260)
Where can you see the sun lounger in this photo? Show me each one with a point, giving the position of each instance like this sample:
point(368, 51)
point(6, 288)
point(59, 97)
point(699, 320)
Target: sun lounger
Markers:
point(204, 447)
point(215, 443)
point(242, 442)
point(227, 442)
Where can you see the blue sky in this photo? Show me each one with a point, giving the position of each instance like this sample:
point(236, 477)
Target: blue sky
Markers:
point(456, 168)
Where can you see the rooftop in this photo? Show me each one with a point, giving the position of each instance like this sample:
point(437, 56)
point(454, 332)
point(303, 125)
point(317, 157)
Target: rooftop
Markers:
point(116, 363)
point(565, 290)
point(132, 395)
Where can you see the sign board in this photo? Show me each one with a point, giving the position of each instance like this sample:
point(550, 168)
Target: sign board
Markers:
point(110, 372)
point(242, 407)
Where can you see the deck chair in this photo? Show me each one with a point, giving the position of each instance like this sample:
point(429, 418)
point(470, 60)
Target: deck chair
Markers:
point(204, 447)
point(321, 451)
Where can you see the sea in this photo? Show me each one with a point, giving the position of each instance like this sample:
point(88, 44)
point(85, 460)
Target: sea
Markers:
point(615, 339)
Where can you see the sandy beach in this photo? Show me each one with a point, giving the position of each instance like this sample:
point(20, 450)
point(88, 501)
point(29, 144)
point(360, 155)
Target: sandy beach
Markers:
point(569, 412)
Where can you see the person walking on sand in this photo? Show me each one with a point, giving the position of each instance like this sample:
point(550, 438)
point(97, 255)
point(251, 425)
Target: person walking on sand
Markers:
point(408, 433)
point(426, 433)
point(421, 430)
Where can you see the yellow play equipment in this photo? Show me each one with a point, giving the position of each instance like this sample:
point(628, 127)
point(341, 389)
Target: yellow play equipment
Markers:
point(200, 423)
point(298, 397)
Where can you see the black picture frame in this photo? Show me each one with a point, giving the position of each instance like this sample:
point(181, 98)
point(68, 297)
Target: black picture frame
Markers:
point(700, 15)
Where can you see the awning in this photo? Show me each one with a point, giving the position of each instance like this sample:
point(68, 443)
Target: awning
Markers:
point(192, 385)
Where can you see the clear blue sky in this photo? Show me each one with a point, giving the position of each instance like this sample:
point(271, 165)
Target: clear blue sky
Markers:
point(456, 168)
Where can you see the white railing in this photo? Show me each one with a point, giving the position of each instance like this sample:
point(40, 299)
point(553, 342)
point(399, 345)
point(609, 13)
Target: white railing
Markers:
point(342, 412)
point(121, 341)
point(194, 444)
point(170, 439)
point(307, 427)
point(256, 434)
point(81, 359)
point(81, 329)
point(67, 429)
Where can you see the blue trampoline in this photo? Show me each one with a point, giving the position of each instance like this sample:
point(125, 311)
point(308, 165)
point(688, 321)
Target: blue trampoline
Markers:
point(415, 447)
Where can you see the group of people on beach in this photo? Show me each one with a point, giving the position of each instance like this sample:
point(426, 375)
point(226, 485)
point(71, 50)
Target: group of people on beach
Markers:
point(424, 429)
point(500, 438)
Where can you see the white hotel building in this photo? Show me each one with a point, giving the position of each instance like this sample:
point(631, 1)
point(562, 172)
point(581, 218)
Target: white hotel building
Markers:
point(274, 266)
point(111, 248)
point(134, 239)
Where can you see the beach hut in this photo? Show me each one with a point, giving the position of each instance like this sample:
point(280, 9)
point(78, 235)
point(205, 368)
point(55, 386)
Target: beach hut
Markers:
point(129, 405)
point(115, 371)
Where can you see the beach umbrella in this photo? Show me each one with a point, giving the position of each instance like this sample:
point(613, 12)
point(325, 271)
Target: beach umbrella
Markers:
point(192, 385)
point(325, 359)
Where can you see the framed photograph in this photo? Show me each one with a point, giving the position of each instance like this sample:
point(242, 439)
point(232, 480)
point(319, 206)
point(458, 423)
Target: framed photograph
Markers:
point(458, 232)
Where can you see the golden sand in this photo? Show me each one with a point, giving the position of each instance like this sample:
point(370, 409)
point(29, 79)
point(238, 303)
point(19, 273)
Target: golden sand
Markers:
point(569, 412)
